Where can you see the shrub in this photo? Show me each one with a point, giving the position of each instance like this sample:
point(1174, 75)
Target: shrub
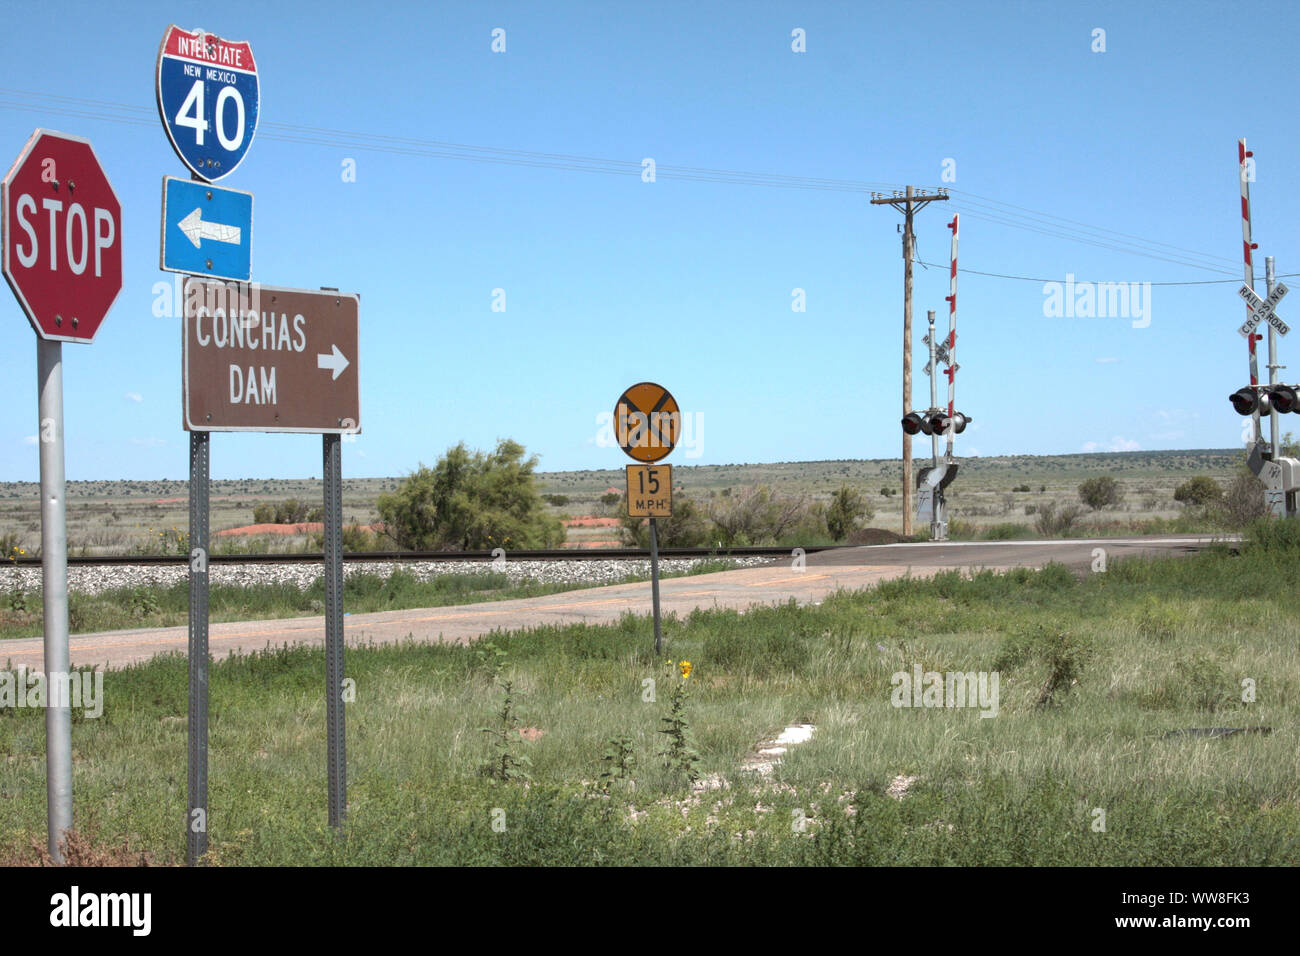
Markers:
point(1201, 490)
point(471, 501)
point(848, 509)
point(1101, 492)
point(688, 527)
point(1243, 502)
point(1007, 531)
point(1052, 522)
point(292, 511)
point(756, 514)
point(610, 498)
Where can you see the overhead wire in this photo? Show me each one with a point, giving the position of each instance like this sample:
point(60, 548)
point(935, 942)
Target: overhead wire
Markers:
point(965, 203)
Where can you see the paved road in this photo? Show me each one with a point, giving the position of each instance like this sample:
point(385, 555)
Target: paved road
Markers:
point(825, 572)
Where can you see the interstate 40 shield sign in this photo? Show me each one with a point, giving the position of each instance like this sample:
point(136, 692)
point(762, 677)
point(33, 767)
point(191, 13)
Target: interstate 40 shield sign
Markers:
point(208, 99)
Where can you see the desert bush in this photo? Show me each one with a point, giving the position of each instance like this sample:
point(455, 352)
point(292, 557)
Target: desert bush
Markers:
point(292, 511)
point(471, 501)
point(1052, 521)
point(689, 527)
point(1101, 492)
point(848, 509)
point(755, 514)
point(1243, 501)
point(1201, 490)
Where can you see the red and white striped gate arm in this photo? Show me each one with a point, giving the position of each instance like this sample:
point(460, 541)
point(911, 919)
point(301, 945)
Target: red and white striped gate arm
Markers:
point(1246, 247)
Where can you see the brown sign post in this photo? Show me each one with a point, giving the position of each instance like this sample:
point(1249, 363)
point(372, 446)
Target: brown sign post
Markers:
point(265, 359)
point(257, 358)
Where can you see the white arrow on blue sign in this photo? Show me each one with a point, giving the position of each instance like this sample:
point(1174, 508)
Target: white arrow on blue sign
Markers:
point(208, 99)
point(207, 230)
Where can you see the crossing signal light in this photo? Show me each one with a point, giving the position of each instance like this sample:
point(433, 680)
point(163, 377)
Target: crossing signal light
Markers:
point(915, 423)
point(1245, 401)
point(940, 422)
point(1283, 398)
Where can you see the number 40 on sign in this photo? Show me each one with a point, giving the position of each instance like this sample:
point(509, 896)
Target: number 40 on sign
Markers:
point(649, 491)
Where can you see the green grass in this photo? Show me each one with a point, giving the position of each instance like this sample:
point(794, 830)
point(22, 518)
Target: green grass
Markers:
point(153, 606)
point(1156, 645)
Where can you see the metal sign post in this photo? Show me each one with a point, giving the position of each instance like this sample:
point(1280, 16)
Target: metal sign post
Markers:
point(336, 749)
point(61, 241)
point(54, 596)
point(654, 584)
point(647, 423)
point(650, 495)
point(196, 811)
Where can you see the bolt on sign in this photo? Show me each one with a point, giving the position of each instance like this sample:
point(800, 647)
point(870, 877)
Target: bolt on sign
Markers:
point(647, 422)
point(62, 236)
point(649, 491)
point(265, 359)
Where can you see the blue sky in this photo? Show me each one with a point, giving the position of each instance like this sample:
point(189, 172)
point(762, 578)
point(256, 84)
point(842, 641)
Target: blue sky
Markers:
point(610, 280)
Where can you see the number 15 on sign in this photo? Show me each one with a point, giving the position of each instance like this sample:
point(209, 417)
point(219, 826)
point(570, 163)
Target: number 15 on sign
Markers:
point(649, 491)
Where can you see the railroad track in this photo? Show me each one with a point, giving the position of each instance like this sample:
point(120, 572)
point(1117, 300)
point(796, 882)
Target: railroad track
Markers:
point(365, 557)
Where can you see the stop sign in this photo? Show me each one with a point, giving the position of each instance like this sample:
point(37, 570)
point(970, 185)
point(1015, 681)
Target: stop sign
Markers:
point(62, 235)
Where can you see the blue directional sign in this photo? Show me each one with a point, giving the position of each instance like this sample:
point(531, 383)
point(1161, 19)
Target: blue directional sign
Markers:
point(207, 230)
point(208, 99)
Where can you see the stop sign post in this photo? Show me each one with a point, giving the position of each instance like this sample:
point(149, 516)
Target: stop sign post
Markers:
point(61, 227)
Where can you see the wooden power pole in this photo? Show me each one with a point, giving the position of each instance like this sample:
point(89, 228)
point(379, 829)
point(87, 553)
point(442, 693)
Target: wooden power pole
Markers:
point(909, 203)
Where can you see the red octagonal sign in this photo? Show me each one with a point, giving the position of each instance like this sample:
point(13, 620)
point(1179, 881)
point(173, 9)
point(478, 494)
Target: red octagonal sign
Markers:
point(62, 235)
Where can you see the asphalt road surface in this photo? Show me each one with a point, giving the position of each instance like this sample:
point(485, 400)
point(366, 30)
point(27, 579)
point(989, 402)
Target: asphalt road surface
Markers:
point(822, 574)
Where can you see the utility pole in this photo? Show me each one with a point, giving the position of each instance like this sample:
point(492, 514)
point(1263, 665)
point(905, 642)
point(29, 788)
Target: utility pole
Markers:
point(908, 203)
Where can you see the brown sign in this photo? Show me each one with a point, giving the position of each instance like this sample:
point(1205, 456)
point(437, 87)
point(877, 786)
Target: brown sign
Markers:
point(258, 358)
point(649, 491)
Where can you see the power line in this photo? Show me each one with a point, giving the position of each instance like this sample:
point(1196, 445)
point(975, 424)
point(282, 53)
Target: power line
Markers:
point(971, 204)
point(997, 202)
point(999, 275)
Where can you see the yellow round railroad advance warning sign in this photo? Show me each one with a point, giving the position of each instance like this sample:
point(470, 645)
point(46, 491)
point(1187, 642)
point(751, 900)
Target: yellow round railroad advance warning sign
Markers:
point(647, 422)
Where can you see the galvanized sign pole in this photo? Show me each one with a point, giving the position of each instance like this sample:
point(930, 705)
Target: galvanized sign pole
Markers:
point(654, 583)
point(336, 749)
point(54, 584)
point(196, 815)
point(66, 300)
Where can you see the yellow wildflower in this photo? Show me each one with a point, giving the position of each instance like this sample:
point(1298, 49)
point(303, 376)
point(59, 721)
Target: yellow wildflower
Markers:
point(685, 669)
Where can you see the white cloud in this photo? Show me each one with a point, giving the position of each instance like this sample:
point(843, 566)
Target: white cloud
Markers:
point(134, 397)
point(29, 439)
point(1118, 443)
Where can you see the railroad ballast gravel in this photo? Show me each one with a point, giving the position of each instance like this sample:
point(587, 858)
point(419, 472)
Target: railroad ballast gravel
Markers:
point(587, 572)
